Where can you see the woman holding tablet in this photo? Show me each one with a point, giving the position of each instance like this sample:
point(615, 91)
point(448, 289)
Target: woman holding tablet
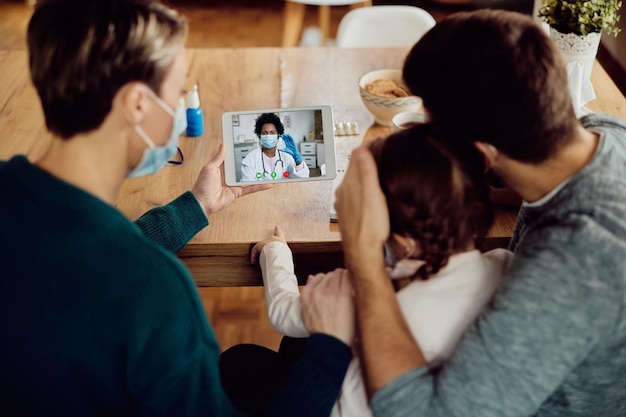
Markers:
point(97, 315)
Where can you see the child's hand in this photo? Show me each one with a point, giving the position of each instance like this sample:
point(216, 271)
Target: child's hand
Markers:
point(278, 236)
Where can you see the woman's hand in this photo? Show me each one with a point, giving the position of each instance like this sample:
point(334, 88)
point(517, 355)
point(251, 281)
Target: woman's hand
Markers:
point(211, 190)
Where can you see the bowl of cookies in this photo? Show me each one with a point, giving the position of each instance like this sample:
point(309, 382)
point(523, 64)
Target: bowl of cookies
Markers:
point(384, 94)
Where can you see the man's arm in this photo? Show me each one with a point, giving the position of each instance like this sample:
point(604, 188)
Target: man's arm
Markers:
point(387, 347)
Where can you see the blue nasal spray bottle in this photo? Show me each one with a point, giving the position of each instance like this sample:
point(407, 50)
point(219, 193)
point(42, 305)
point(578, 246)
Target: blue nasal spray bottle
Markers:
point(195, 122)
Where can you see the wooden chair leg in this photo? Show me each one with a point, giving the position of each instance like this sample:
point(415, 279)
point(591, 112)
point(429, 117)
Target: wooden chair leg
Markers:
point(363, 4)
point(324, 22)
point(293, 21)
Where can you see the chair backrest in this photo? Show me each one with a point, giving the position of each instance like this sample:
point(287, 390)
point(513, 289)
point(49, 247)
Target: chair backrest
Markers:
point(383, 26)
point(327, 2)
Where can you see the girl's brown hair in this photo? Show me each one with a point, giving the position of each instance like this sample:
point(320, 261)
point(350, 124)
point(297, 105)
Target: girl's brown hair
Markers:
point(436, 193)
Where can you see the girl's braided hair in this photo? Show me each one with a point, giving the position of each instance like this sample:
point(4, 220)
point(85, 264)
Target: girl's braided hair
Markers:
point(436, 192)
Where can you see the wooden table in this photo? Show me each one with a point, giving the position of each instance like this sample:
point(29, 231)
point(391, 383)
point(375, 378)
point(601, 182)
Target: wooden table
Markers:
point(240, 79)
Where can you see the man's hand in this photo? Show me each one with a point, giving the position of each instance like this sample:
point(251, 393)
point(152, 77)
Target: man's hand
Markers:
point(212, 192)
point(362, 210)
point(387, 347)
point(278, 236)
point(290, 147)
point(328, 305)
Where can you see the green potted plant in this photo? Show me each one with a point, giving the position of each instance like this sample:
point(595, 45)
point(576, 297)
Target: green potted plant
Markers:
point(581, 17)
point(576, 26)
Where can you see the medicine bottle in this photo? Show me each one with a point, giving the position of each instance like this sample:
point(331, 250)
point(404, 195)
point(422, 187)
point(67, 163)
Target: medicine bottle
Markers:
point(195, 121)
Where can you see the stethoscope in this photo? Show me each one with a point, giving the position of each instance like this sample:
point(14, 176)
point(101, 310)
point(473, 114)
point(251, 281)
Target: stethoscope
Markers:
point(273, 174)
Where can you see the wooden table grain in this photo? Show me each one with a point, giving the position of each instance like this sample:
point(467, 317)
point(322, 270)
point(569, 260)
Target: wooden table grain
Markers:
point(245, 79)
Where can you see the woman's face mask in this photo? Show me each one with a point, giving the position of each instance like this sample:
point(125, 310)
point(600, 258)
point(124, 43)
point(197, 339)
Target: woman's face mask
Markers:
point(154, 158)
point(269, 141)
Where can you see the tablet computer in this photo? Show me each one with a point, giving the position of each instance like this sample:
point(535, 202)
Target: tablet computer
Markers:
point(279, 145)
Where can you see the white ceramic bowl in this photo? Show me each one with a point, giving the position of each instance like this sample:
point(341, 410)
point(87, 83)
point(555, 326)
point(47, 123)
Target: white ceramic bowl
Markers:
point(407, 118)
point(384, 108)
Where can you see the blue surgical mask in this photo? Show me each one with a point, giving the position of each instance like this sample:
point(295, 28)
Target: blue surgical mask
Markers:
point(269, 141)
point(154, 158)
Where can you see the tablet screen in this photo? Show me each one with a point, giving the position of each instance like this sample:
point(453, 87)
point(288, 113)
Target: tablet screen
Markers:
point(285, 145)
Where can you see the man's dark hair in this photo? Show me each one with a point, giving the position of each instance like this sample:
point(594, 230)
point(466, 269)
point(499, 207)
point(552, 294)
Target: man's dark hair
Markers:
point(494, 76)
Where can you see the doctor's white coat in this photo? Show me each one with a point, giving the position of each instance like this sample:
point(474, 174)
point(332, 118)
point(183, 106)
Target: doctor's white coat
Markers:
point(259, 167)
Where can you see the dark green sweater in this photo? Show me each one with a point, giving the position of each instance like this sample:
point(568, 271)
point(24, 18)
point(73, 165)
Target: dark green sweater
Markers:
point(98, 317)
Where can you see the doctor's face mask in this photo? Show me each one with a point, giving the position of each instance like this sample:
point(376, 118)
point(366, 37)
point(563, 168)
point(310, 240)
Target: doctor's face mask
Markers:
point(269, 141)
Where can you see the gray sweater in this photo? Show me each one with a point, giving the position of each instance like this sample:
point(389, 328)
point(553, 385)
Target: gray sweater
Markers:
point(553, 340)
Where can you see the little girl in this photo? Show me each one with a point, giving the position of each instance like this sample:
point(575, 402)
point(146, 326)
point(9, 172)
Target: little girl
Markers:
point(439, 206)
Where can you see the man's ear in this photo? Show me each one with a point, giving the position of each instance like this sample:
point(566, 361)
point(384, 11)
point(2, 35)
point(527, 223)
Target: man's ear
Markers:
point(489, 152)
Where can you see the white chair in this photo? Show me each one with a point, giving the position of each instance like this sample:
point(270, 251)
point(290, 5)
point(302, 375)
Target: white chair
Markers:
point(383, 26)
point(294, 17)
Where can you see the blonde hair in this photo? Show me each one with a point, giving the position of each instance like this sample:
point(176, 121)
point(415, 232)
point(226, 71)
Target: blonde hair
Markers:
point(82, 52)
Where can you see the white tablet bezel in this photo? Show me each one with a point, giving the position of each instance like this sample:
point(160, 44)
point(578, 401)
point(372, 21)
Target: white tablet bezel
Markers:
point(230, 141)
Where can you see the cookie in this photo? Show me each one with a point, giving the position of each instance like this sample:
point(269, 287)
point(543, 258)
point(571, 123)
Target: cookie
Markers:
point(386, 88)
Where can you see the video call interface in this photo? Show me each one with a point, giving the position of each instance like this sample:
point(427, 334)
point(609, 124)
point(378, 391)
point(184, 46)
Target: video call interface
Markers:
point(272, 156)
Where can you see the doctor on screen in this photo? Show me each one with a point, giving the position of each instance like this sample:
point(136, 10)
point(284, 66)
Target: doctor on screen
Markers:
point(268, 163)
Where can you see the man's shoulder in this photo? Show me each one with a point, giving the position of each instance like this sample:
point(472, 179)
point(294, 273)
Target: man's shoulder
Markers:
point(613, 133)
point(591, 241)
point(602, 120)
